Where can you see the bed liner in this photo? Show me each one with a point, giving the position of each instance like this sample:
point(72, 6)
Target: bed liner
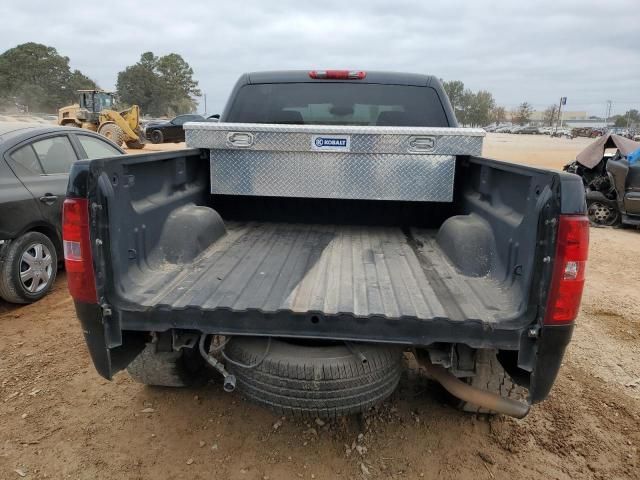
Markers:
point(331, 269)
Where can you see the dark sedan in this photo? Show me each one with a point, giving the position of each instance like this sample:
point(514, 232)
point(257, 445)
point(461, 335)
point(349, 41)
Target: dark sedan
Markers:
point(34, 170)
point(169, 130)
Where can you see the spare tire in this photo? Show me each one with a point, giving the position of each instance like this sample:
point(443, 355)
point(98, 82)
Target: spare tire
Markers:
point(308, 381)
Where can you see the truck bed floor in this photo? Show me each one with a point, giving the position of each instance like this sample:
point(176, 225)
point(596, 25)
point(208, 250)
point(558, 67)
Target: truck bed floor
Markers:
point(330, 269)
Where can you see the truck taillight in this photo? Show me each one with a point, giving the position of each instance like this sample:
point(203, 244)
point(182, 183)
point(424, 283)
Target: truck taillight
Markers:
point(572, 247)
point(337, 74)
point(77, 250)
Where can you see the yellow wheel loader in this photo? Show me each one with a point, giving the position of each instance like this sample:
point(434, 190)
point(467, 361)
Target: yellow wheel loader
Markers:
point(94, 111)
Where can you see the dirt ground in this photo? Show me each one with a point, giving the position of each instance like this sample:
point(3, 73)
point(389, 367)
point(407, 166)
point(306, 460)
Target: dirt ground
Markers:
point(59, 419)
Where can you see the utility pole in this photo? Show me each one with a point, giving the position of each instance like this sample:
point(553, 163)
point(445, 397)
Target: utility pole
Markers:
point(563, 101)
point(205, 104)
point(606, 120)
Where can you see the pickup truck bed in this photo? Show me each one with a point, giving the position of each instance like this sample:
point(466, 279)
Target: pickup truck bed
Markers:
point(358, 270)
point(397, 271)
point(322, 216)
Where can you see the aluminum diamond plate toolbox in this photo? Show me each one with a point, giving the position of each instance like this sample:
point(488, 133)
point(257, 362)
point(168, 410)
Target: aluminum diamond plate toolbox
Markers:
point(350, 162)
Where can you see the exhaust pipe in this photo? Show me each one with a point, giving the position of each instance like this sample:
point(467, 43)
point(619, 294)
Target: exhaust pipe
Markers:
point(467, 393)
point(229, 384)
point(356, 353)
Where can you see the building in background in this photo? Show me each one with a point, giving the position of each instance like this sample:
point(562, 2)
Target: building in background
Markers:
point(537, 117)
point(571, 120)
point(593, 122)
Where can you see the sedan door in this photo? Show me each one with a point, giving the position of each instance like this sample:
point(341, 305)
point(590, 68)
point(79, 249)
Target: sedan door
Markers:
point(173, 130)
point(177, 128)
point(43, 165)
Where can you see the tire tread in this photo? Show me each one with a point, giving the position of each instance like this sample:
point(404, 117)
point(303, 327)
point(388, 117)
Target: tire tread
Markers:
point(325, 387)
point(492, 377)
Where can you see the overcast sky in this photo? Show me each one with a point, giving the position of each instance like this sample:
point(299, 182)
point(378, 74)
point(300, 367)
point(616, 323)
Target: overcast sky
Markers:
point(531, 51)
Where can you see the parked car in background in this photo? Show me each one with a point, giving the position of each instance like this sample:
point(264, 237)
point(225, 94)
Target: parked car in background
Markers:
point(588, 132)
point(562, 133)
point(34, 169)
point(168, 131)
point(529, 130)
point(505, 129)
point(545, 130)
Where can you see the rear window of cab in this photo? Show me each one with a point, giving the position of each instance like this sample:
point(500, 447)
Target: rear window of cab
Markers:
point(338, 103)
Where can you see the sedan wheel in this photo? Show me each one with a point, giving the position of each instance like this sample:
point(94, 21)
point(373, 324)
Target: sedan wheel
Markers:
point(29, 268)
point(36, 268)
point(157, 137)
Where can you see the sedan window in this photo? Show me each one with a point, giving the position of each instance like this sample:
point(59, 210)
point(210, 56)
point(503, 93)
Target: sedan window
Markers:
point(182, 119)
point(56, 154)
point(26, 157)
point(97, 148)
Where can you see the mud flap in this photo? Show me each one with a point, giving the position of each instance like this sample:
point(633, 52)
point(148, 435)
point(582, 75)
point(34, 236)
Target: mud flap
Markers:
point(107, 358)
point(552, 344)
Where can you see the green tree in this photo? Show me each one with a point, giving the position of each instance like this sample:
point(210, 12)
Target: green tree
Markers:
point(38, 77)
point(159, 85)
point(140, 84)
point(472, 108)
point(177, 79)
point(479, 109)
point(523, 113)
point(79, 81)
point(455, 91)
point(630, 118)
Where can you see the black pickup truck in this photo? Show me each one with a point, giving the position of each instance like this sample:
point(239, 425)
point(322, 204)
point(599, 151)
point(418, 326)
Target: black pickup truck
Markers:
point(330, 224)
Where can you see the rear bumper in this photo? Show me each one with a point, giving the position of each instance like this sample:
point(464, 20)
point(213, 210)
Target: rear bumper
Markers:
point(284, 323)
point(114, 340)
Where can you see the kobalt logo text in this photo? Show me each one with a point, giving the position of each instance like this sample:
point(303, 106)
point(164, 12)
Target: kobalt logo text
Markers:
point(331, 142)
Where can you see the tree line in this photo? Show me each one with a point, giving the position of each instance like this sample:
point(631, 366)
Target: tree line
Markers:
point(36, 78)
point(631, 118)
point(479, 108)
